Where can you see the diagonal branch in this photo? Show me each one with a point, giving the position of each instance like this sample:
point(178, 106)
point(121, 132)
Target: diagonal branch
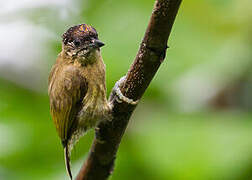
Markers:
point(100, 162)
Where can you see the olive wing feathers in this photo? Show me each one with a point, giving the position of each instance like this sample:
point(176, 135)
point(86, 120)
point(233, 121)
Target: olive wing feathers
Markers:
point(67, 88)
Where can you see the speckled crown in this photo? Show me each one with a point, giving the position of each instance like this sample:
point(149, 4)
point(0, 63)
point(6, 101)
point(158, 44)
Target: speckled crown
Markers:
point(82, 31)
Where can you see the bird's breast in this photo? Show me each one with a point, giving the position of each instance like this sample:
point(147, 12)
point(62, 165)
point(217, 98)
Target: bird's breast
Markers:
point(95, 105)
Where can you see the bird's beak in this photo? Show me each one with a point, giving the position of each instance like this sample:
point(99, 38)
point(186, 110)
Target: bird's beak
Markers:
point(98, 43)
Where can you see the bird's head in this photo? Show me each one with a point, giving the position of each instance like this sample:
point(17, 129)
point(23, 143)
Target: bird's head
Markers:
point(81, 42)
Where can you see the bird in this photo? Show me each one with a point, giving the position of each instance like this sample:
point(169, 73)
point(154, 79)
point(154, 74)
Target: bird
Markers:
point(77, 87)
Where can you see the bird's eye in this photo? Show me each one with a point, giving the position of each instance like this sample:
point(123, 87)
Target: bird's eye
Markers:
point(76, 42)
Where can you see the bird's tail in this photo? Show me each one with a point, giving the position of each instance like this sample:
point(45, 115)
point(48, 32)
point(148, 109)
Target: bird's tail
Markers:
point(67, 161)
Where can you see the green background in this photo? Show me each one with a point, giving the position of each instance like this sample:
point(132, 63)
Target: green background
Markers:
point(194, 121)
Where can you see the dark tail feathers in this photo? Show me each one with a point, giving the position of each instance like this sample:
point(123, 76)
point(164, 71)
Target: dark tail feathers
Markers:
point(67, 161)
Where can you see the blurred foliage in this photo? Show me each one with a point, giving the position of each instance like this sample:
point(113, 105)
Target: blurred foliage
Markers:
point(194, 121)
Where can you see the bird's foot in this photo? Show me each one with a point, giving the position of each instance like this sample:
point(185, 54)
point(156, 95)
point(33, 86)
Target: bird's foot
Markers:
point(116, 92)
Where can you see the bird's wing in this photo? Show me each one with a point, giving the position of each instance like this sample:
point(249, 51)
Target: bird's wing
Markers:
point(67, 88)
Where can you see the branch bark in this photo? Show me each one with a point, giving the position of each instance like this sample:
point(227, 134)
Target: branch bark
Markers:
point(100, 162)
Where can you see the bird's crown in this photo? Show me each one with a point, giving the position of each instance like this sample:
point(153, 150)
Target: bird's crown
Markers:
point(81, 31)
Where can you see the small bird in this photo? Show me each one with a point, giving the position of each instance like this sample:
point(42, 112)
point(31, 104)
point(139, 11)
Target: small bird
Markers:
point(77, 87)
